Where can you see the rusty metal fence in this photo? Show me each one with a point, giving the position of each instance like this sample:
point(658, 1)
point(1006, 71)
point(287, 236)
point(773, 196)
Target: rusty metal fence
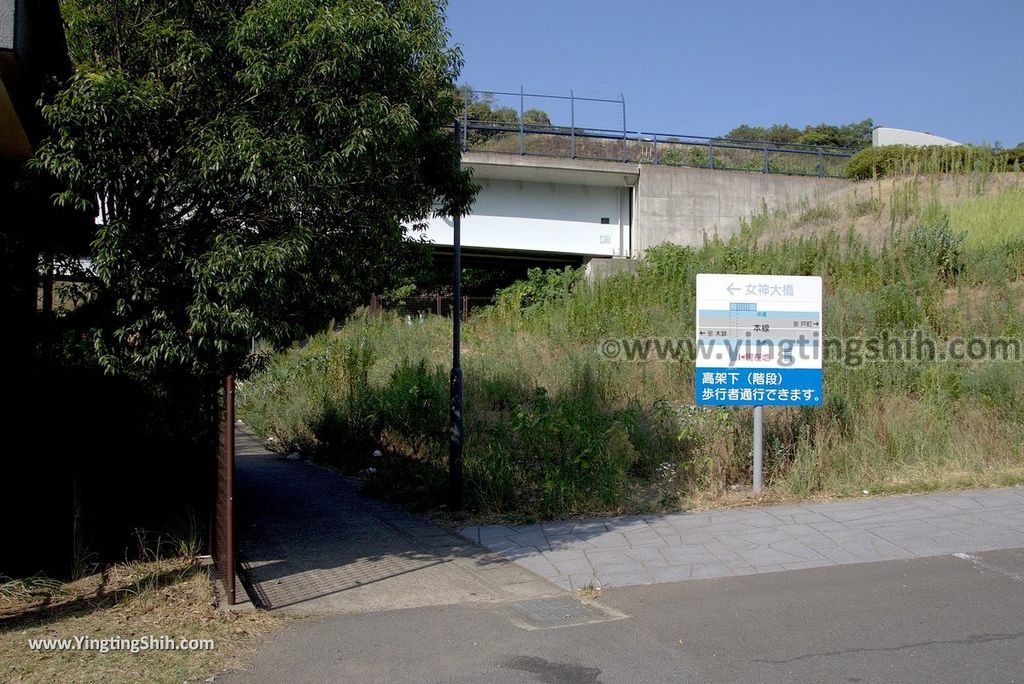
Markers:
point(223, 546)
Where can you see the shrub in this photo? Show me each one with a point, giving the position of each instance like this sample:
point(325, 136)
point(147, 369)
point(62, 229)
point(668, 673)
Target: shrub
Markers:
point(540, 287)
point(890, 160)
point(414, 409)
point(936, 246)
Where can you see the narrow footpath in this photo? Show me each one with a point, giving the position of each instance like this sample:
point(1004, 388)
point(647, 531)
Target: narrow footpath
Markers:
point(309, 543)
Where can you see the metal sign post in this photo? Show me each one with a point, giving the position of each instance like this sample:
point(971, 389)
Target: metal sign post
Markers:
point(758, 447)
point(759, 341)
point(455, 380)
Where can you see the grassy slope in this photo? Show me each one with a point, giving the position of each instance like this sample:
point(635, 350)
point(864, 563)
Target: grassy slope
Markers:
point(553, 429)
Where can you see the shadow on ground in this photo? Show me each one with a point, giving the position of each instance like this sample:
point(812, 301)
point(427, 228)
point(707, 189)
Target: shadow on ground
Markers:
point(308, 542)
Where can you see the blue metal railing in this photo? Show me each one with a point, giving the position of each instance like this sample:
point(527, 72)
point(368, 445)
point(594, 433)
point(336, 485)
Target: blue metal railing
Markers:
point(654, 148)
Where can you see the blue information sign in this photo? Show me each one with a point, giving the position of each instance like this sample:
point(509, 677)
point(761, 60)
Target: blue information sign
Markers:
point(759, 340)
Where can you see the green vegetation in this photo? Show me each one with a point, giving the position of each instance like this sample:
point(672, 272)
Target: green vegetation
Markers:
point(854, 135)
point(555, 429)
point(900, 160)
point(672, 152)
point(253, 165)
point(725, 152)
point(991, 221)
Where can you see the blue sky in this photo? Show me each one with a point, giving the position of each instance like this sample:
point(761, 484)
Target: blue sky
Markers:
point(952, 68)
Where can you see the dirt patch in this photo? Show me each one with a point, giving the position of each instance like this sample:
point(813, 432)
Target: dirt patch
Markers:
point(135, 603)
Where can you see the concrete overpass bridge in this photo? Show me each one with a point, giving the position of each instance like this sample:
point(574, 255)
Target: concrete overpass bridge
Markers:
point(549, 210)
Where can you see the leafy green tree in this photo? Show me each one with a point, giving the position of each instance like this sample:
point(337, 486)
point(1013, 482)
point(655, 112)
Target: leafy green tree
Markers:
point(536, 117)
point(252, 164)
point(505, 115)
point(854, 135)
point(779, 133)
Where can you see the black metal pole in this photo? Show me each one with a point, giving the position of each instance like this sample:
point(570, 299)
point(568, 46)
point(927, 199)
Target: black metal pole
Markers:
point(455, 380)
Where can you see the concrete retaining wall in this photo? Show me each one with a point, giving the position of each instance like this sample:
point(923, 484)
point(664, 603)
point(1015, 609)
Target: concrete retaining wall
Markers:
point(681, 205)
point(598, 269)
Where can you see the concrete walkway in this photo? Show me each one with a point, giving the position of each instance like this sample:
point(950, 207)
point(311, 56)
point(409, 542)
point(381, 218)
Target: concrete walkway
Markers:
point(650, 549)
point(309, 543)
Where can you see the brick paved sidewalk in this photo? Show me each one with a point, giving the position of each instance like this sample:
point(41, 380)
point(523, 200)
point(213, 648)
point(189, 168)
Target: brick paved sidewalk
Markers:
point(648, 549)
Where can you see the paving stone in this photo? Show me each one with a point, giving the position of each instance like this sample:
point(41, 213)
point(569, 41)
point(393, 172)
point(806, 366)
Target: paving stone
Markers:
point(738, 566)
point(810, 517)
point(562, 527)
point(756, 521)
point(646, 554)
point(692, 556)
point(585, 529)
point(674, 573)
point(517, 552)
point(697, 536)
point(645, 537)
point(680, 546)
point(839, 556)
point(533, 537)
point(759, 557)
point(736, 543)
point(806, 534)
point(493, 532)
point(762, 536)
point(504, 545)
point(806, 564)
point(725, 554)
point(540, 565)
point(558, 542)
point(710, 570)
point(575, 553)
point(625, 579)
point(687, 521)
point(871, 521)
point(608, 540)
point(798, 550)
point(575, 567)
point(620, 569)
point(608, 556)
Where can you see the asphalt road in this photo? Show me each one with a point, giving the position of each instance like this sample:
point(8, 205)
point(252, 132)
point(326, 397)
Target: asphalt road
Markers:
point(942, 619)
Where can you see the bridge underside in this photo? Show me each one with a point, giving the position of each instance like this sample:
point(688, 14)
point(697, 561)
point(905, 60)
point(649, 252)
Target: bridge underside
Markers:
point(485, 270)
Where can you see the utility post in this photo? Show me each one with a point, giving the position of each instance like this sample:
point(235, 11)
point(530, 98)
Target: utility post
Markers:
point(455, 380)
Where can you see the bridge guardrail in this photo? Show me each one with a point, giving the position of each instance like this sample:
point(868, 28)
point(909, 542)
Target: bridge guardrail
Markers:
point(644, 147)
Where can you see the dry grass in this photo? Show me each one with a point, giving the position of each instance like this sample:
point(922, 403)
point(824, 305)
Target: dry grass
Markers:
point(167, 597)
point(873, 208)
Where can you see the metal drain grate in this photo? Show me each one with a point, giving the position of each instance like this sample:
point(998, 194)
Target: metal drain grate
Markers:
point(559, 611)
